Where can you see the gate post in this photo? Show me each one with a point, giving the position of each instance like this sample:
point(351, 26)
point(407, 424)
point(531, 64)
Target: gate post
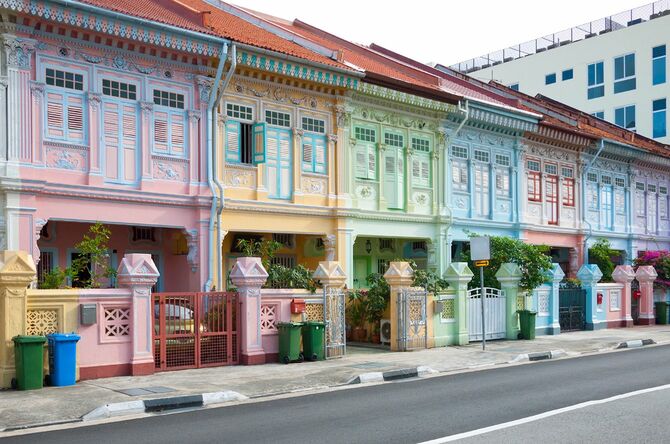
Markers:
point(646, 275)
point(624, 274)
point(248, 275)
point(330, 274)
point(590, 275)
point(509, 276)
point(17, 271)
point(399, 276)
point(554, 278)
point(138, 273)
point(458, 275)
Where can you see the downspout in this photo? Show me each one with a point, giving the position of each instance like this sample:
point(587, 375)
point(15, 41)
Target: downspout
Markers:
point(584, 218)
point(219, 208)
point(464, 108)
point(210, 161)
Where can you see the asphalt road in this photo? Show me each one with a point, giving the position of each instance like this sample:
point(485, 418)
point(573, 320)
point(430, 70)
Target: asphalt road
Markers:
point(411, 411)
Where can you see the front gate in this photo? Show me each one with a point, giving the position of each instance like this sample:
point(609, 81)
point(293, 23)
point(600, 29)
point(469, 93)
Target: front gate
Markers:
point(412, 327)
point(494, 317)
point(571, 309)
point(334, 303)
point(194, 330)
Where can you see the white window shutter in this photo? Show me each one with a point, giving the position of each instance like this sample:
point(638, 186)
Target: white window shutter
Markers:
point(372, 163)
point(361, 162)
point(320, 163)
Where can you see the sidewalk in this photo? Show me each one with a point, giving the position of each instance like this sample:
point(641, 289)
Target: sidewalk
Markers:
point(62, 404)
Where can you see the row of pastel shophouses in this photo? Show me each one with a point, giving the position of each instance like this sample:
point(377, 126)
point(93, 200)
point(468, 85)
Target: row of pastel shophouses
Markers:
point(198, 133)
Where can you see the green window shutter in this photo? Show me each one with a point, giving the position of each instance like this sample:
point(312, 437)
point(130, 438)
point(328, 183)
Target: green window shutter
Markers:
point(372, 162)
point(259, 137)
point(233, 141)
point(361, 161)
point(320, 155)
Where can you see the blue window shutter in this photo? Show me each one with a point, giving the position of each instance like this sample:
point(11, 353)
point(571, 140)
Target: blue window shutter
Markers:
point(259, 138)
point(232, 141)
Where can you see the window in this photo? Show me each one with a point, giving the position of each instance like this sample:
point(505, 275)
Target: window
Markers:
point(313, 125)
point(596, 80)
point(502, 160)
point(619, 182)
point(239, 142)
point(534, 186)
point(550, 78)
point(144, 234)
point(314, 153)
point(365, 134)
point(284, 260)
point(386, 245)
point(392, 139)
point(169, 99)
point(278, 118)
point(599, 114)
point(421, 162)
point(651, 188)
point(45, 265)
point(64, 112)
point(533, 165)
point(568, 74)
point(606, 180)
point(64, 79)
point(459, 151)
point(659, 118)
point(663, 201)
point(286, 239)
point(420, 145)
point(567, 172)
point(592, 177)
point(481, 156)
point(419, 246)
point(625, 117)
point(241, 112)
point(502, 182)
point(624, 73)
point(514, 86)
point(551, 169)
point(119, 89)
point(568, 191)
point(382, 266)
point(639, 186)
point(658, 65)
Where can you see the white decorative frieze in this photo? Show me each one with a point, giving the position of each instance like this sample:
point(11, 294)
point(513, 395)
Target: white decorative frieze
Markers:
point(169, 169)
point(314, 185)
point(366, 192)
point(240, 178)
point(67, 158)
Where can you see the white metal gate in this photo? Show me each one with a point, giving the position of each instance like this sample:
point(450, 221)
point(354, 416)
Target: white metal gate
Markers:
point(495, 313)
point(333, 316)
point(412, 328)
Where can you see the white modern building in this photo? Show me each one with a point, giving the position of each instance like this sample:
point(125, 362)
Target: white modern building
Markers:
point(615, 68)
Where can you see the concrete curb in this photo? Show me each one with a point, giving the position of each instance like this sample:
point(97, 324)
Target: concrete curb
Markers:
point(635, 344)
point(539, 356)
point(392, 375)
point(162, 404)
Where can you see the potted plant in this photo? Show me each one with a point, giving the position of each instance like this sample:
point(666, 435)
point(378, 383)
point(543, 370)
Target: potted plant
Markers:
point(376, 300)
point(376, 337)
point(357, 315)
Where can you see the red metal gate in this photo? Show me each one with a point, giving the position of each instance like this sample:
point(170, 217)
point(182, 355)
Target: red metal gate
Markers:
point(194, 330)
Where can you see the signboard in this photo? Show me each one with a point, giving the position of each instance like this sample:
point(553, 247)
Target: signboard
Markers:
point(480, 248)
point(481, 263)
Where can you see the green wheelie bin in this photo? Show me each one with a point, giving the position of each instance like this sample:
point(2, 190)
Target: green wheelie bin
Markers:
point(313, 340)
point(29, 361)
point(527, 323)
point(661, 312)
point(289, 342)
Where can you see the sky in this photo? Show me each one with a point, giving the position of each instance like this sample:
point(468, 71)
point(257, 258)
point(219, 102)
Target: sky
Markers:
point(446, 31)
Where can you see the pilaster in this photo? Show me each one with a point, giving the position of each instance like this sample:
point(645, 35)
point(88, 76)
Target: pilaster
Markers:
point(399, 277)
point(590, 275)
point(147, 111)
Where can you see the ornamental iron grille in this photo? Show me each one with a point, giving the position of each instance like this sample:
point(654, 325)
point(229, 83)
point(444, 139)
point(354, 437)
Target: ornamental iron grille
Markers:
point(572, 309)
point(334, 303)
point(195, 330)
point(412, 327)
point(494, 317)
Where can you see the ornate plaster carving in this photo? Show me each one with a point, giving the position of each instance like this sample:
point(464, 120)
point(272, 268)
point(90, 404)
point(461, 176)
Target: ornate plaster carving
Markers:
point(19, 51)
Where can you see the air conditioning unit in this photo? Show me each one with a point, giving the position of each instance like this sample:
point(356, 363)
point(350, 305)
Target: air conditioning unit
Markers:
point(385, 331)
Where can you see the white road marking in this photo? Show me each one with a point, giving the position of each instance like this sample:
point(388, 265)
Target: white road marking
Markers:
point(544, 415)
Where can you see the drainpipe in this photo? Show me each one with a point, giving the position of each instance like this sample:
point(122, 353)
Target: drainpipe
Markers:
point(217, 182)
point(464, 108)
point(584, 218)
point(211, 132)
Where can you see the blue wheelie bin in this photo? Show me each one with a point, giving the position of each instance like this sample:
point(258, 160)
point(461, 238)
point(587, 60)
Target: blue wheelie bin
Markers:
point(62, 358)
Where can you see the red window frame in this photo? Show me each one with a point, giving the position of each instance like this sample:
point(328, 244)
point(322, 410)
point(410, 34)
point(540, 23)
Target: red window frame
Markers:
point(534, 186)
point(568, 192)
point(552, 198)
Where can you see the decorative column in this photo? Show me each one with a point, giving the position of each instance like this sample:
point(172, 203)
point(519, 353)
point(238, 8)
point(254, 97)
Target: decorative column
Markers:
point(248, 275)
point(298, 133)
point(624, 274)
point(18, 55)
point(37, 93)
point(590, 275)
point(17, 271)
point(399, 277)
point(138, 273)
point(509, 276)
point(381, 167)
point(193, 152)
point(554, 278)
point(147, 111)
point(459, 275)
point(94, 163)
point(646, 275)
point(330, 274)
point(345, 252)
point(573, 262)
point(408, 154)
point(332, 171)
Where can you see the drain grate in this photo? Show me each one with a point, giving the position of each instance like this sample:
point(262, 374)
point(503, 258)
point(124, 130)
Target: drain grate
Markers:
point(139, 391)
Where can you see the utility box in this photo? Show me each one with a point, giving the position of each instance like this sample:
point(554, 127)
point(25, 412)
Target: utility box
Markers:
point(88, 314)
point(297, 306)
point(439, 306)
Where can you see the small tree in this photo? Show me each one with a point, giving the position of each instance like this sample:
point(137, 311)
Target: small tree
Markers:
point(265, 249)
point(660, 260)
point(533, 260)
point(601, 254)
point(92, 262)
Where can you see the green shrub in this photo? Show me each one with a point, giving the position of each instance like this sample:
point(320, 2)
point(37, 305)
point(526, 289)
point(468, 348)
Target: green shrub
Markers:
point(601, 254)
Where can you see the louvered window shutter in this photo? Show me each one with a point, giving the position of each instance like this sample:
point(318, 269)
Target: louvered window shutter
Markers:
point(55, 119)
point(232, 141)
point(425, 171)
point(259, 140)
point(177, 136)
point(320, 163)
point(372, 163)
point(161, 131)
point(361, 162)
point(416, 170)
point(308, 154)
